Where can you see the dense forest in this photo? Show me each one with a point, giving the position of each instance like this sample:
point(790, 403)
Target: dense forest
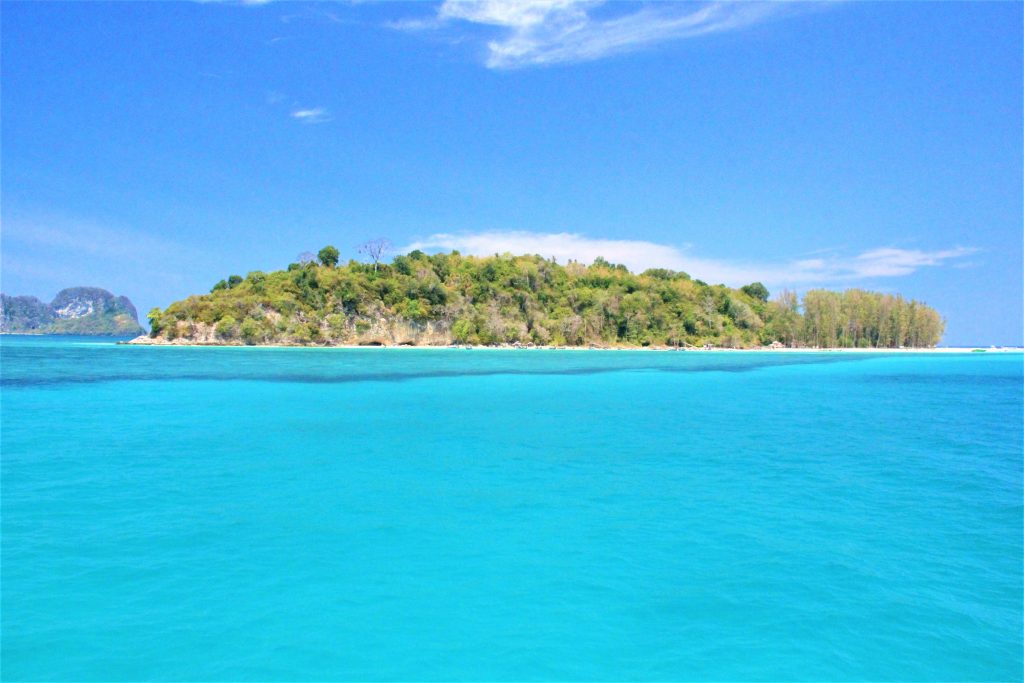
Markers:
point(448, 298)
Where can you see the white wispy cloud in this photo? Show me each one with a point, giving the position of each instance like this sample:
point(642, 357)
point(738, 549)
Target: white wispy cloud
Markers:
point(639, 255)
point(314, 115)
point(85, 239)
point(545, 32)
point(307, 115)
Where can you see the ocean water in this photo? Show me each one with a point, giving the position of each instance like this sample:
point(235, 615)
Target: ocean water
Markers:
point(387, 514)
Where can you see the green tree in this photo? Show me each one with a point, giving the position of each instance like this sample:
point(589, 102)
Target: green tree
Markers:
point(257, 279)
point(756, 290)
point(463, 330)
point(156, 324)
point(415, 310)
point(250, 330)
point(227, 328)
point(328, 256)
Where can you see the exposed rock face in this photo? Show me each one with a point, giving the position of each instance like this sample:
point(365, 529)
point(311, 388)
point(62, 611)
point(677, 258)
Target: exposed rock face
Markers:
point(77, 310)
point(360, 331)
point(398, 331)
point(23, 314)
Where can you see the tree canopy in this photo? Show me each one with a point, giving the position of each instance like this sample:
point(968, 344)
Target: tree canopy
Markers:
point(531, 299)
point(756, 290)
point(328, 256)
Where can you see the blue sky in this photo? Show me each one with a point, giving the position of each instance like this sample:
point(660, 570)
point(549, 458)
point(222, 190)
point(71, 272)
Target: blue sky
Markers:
point(154, 148)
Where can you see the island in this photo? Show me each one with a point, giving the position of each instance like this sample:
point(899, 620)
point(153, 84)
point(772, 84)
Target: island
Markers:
point(446, 299)
point(76, 310)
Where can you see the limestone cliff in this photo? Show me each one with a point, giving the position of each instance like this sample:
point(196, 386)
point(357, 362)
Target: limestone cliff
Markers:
point(76, 310)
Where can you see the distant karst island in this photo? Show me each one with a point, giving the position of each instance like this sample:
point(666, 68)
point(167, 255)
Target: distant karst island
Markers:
point(449, 299)
point(76, 310)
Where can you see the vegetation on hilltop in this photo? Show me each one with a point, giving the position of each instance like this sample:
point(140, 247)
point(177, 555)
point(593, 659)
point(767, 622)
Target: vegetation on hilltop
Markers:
point(449, 298)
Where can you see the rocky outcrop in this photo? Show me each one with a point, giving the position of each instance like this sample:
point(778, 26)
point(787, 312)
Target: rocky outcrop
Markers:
point(399, 332)
point(76, 310)
point(358, 331)
point(23, 314)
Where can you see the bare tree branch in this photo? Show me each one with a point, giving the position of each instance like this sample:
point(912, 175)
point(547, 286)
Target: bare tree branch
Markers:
point(375, 249)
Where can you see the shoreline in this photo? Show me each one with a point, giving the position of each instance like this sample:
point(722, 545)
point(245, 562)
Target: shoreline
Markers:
point(147, 341)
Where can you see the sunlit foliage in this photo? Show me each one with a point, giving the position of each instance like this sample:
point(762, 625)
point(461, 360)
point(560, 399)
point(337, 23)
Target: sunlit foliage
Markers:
point(530, 299)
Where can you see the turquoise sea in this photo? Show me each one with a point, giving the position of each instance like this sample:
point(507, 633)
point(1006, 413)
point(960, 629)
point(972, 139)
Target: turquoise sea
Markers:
point(392, 514)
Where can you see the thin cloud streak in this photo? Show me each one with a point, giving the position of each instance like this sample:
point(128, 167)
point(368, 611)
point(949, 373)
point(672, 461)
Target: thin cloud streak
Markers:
point(547, 32)
point(640, 255)
point(84, 239)
point(312, 116)
point(42, 254)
